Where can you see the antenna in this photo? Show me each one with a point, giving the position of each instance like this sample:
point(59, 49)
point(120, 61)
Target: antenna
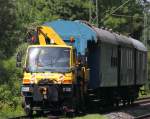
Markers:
point(93, 12)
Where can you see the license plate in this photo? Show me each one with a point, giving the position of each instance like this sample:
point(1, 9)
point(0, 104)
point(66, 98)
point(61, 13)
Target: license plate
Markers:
point(25, 89)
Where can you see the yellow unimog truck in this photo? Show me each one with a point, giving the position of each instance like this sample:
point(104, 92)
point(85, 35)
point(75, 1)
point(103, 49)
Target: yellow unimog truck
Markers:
point(50, 74)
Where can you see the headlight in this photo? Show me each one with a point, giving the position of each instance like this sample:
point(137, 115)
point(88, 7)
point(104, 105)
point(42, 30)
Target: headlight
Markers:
point(25, 89)
point(67, 89)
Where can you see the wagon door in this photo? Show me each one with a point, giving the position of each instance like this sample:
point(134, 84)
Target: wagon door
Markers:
point(109, 61)
point(94, 64)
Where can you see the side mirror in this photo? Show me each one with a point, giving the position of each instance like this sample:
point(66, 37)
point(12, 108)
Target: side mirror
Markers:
point(73, 68)
point(18, 59)
point(18, 64)
point(25, 69)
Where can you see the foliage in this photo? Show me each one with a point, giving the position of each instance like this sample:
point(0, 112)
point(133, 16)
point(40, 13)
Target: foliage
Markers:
point(8, 112)
point(8, 32)
point(127, 20)
point(10, 84)
point(38, 11)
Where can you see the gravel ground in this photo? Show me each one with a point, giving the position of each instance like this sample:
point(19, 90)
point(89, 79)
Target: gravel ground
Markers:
point(130, 113)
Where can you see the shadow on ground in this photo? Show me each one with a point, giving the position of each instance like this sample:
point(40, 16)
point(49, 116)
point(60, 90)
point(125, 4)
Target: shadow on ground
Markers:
point(134, 110)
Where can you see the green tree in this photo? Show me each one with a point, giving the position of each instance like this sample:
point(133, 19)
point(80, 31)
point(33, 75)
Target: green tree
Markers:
point(8, 40)
point(128, 19)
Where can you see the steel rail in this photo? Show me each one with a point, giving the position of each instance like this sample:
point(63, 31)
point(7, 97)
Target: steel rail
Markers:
point(146, 116)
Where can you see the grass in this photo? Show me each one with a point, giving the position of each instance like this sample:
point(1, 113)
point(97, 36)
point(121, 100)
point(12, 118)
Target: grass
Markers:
point(7, 112)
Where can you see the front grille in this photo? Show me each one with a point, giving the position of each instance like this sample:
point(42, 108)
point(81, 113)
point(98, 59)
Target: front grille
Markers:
point(45, 81)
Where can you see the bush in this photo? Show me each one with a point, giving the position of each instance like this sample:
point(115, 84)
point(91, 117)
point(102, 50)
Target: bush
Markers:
point(10, 84)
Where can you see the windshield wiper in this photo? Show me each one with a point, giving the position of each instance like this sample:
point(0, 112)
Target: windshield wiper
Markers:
point(56, 69)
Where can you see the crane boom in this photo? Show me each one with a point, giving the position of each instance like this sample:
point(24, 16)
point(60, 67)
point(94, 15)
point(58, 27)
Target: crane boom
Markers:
point(45, 32)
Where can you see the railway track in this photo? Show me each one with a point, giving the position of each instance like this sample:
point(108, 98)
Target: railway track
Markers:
point(146, 116)
point(144, 98)
point(123, 112)
point(140, 109)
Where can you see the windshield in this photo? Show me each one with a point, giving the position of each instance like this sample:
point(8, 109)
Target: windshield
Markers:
point(53, 59)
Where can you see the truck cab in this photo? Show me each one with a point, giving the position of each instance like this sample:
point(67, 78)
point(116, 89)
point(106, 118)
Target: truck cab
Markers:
point(49, 75)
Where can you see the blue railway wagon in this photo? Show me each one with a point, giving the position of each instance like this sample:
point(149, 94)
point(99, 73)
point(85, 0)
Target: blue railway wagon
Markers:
point(117, 63)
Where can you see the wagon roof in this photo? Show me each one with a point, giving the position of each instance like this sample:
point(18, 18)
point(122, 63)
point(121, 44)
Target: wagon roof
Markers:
point(138, 45)
point(123, 40)
point(83, 32)
point(118, 39)
point(105, 36)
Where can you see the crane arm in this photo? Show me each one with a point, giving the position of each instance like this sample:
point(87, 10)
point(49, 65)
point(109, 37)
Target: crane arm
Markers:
point(47, 32)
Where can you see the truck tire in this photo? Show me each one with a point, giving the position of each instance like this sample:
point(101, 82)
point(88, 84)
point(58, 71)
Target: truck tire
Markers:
point(29, 112)
point(27, 107)
point(39, 112)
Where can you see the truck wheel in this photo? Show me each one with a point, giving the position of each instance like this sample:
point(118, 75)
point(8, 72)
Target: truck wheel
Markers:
point(80, 102)
point(39, 112)
point(28, 112)
point(70, 114)
point(27, 107)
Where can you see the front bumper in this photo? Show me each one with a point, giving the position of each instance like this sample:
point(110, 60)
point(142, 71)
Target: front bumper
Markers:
point(50, 92)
